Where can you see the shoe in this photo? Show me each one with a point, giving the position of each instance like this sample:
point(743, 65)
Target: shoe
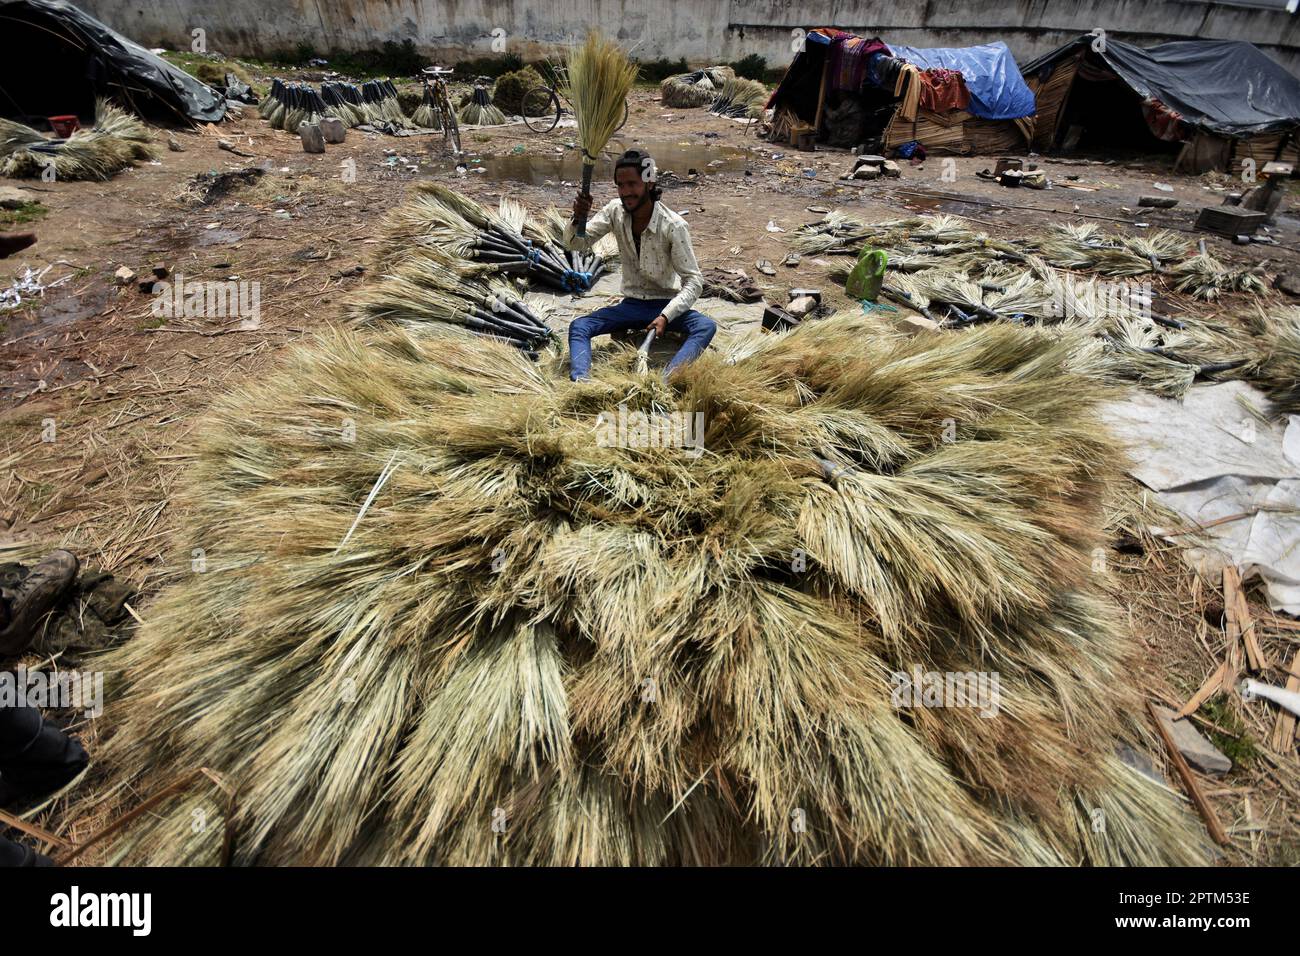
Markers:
point(35, 597)
point(15, 854)
point(48, 764)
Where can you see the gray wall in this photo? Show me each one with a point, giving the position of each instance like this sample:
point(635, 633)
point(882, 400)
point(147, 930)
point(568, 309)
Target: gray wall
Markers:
point(700, 30)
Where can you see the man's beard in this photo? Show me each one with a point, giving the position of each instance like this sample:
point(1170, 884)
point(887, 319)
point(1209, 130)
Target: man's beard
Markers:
point(636, 204)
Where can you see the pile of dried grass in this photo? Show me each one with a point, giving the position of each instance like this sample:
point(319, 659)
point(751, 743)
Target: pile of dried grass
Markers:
point(689, 90)
point(443, 623)
point(1279, 373)
point(115, 142)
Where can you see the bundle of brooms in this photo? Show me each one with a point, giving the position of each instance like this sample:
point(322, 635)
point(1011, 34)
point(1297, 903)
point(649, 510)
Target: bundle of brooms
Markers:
point(427, 288)
point(507, 241)
point(689, 90)
point(472, 629)
point(739, 98)
point(344, 101)
point(479, 111)
point(427, 115)
point(115, 141)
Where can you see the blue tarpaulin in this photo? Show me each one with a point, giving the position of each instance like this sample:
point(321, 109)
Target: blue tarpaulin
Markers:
point(997, 90)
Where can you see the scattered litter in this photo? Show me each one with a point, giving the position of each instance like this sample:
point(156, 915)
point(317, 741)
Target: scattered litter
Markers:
point(773, 227)
point(28, 285)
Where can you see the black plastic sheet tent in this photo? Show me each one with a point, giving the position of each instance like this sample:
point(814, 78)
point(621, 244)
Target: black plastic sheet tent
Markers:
point(55, 59)
point(1226, 87)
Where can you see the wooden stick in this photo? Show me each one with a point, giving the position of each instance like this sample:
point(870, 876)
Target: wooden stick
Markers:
point(32, 830)
point(1193, 788)
point(1284, 730)
point(1212, 684)
point(821, 95)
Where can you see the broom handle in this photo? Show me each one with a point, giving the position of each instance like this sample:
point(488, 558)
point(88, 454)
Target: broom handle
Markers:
point(580, 224)
point(645, 346)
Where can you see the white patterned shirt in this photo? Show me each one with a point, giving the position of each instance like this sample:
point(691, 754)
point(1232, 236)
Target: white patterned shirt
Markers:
point(666, 266)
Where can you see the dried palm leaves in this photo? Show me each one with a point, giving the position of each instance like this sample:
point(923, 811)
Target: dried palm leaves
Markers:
point(115, 142)
point(444, 621)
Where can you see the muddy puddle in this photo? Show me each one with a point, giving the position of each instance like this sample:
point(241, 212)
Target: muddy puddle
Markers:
point(685, 161)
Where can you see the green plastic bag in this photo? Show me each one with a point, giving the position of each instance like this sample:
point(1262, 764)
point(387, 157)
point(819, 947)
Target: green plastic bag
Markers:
point(867, 276)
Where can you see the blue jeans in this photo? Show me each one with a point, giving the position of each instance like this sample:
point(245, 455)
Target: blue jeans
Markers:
point(636, 314)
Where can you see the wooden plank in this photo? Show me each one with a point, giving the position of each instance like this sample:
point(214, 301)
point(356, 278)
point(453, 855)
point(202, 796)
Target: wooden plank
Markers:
point(1213, 684)
point(1232, 661)
point(1237, 613)
point(1284, 731)
point(1193, 788)
point(821, 95)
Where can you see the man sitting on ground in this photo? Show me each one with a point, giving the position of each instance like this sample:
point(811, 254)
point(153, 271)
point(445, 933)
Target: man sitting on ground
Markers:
point(661, 279)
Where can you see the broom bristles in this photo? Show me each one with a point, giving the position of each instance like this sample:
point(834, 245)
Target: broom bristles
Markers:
point(596, 79)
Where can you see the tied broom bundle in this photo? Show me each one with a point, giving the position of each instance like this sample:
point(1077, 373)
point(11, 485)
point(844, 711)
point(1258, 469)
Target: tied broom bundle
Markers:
point(342, 100)
point(427, 289)
point(1279, 333)
point(690, 90)
point(739, 98)
point(596, 80)
point(603, 253)
point(479, 111)
point(483, 600)
point(115, 142)
point(427, 115)
point(439, 214)
point(268, 102)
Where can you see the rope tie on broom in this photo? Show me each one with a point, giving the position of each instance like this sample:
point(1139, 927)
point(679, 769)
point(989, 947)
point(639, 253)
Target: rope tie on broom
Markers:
point(575, 281)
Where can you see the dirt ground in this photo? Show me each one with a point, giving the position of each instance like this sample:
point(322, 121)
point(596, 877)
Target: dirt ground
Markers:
point(98, 396)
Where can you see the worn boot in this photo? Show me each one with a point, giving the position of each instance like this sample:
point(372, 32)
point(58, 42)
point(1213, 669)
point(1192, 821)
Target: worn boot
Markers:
point(22, 610)
point(15, 854)
point(36, 757)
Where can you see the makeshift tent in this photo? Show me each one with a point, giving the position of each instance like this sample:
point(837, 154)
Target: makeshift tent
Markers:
point(1218, 101)
point(848, 90)
point(55, 60)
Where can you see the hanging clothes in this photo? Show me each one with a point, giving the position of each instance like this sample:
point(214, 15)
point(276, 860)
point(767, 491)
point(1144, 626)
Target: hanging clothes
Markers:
point(908, 90)
point(849, 58)
point(943, 90)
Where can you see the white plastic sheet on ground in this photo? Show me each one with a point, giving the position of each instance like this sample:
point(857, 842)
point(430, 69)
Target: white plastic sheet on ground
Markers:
point(1208, 457)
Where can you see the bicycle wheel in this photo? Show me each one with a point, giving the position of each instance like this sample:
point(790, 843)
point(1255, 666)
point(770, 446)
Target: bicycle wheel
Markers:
point(541, 109)
point(624, 123)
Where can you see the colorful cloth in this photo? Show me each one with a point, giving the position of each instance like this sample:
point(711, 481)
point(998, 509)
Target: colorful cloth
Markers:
point(849, 59)
point(943, 90)
point(1165, 123)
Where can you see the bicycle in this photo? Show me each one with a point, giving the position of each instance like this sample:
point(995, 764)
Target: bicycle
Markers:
point(542, 107)
point(435, 90)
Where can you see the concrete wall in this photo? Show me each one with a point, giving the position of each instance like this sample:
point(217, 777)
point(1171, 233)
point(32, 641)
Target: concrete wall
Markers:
point(700, 30)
